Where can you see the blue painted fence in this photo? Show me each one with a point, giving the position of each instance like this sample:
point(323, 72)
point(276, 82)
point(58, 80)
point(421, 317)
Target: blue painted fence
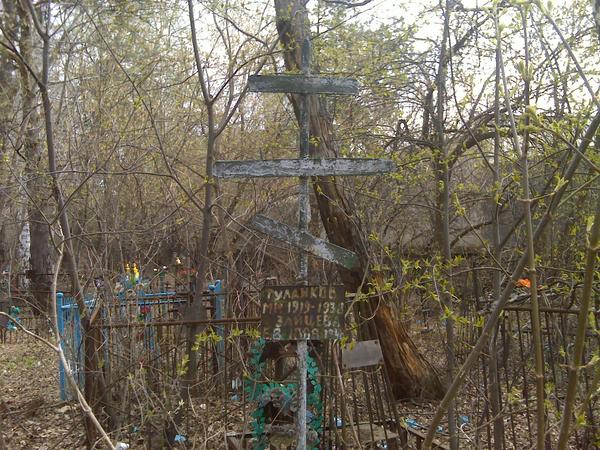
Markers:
point(69, 326)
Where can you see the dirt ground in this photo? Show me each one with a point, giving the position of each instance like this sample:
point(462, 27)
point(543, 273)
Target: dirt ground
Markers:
point(32, 416)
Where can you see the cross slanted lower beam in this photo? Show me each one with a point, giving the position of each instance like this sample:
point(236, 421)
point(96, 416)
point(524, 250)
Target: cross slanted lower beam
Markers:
point(305, 241)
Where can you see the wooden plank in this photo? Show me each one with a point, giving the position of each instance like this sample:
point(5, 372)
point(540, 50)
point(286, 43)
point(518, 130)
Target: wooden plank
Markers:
point(305, 241)
point(302, 84)
point(236, 438)
point(303, 312)
point(303, 167)
point(371, 433)
point(420, 437)
point(4, 321)
point(173, 323)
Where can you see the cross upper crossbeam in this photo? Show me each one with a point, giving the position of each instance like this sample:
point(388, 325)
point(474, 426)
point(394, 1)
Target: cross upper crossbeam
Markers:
point(302, 84)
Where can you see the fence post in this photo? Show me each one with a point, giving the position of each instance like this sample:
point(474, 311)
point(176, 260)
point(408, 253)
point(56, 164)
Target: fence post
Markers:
point(149, 330)
point(78, 345)
point(60, 322)
point(217, 289)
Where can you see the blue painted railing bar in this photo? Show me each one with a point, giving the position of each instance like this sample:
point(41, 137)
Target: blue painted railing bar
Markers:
point(69, 327)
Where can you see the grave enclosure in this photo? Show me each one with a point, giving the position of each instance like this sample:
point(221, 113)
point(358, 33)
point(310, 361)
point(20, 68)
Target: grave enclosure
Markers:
point(143, 345)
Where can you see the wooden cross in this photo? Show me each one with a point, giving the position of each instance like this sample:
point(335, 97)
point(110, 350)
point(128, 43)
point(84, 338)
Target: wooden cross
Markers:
point(303, 85)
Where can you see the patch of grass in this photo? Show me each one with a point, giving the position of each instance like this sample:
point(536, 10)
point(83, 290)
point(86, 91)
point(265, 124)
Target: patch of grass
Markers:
point(30, 361)
point(9, 365)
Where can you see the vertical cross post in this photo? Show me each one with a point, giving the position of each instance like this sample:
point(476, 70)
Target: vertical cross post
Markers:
point(303, 221)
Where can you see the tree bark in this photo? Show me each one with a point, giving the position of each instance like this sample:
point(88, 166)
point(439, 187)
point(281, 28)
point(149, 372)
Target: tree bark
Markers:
point(197, 311)
point(442, 231)
point(494, 392)
point(37, 193)
point(410, 374)
point(8, 93)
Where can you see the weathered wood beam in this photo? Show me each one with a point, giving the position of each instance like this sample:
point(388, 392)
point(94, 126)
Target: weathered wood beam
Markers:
point(302, 84)
point(302, 167)
point(305, 241)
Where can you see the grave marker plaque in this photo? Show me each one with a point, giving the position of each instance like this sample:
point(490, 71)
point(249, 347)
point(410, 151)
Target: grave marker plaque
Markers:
point(303, 312)
point(362, 354)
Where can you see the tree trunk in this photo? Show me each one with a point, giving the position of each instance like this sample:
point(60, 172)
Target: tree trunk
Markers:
point(441, 165)
point(40, 264)
point(410, 374)
point(8, 93)
point(197, 311)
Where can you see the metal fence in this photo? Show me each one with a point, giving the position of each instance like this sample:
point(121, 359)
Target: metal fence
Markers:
point(143, 357)
point(516, 379)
